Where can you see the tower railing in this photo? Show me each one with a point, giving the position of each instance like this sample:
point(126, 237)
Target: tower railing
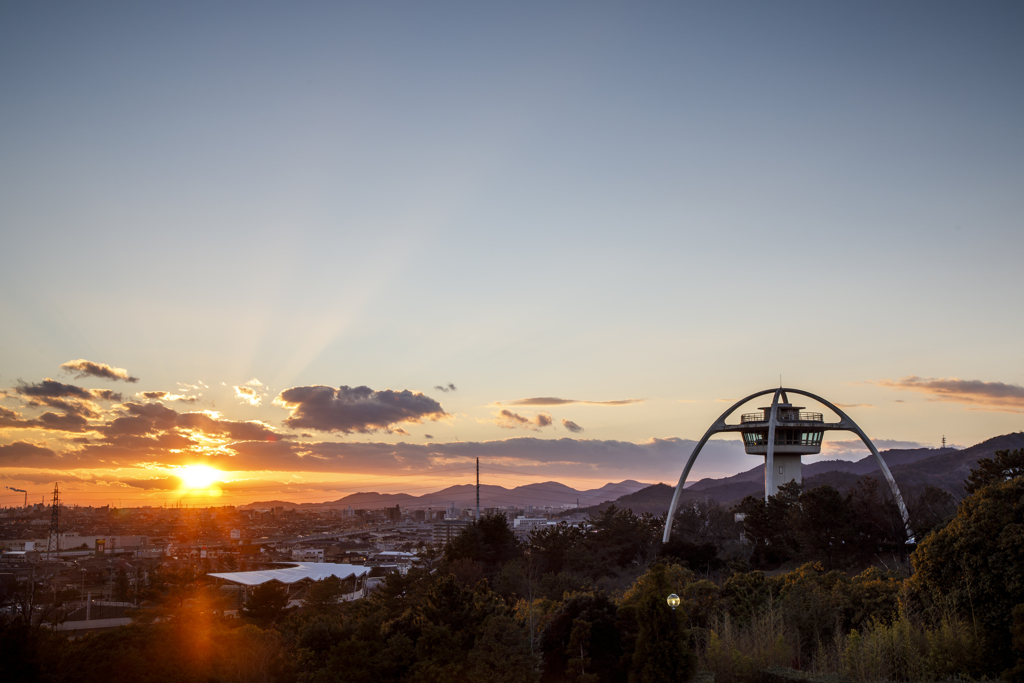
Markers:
point(798, 417)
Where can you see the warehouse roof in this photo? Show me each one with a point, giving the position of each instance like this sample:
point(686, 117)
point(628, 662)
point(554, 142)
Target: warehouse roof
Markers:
point(300, 571)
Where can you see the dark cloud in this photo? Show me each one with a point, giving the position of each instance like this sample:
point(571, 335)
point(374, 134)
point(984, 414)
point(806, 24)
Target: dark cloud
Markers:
point(506, 419)
point(84, 368)
point(428, 436)
point(986, 395)
point(49, 388)
point(572, 426)
point(552, 401)
point(159, 415)
point(63, 423)
point(66, 422)
point(23, 453)
point(446, 387)
point(66, 397)
point(86, 409)
point(358, 409)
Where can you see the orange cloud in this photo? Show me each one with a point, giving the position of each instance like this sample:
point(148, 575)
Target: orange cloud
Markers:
point(553, 401)
point(995, 396)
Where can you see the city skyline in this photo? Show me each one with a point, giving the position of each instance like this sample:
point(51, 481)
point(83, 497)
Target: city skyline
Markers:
point(367, 245)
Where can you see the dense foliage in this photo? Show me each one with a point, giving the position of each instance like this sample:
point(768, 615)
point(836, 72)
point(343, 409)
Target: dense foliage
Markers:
point(819, 585)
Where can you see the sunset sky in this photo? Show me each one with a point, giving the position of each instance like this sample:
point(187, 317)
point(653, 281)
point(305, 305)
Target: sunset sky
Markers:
point(339, 247)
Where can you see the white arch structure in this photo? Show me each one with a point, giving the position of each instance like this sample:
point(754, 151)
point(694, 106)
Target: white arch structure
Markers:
point(845, 424)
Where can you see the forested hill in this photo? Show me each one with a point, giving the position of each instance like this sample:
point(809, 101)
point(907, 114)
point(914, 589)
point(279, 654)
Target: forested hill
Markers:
point(913, 469)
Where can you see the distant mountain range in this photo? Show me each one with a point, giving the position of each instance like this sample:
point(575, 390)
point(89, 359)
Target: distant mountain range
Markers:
point(913, 469)
point(544, 494)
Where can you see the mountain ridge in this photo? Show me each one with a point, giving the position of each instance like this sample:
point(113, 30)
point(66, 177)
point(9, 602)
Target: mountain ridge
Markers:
point(541, 494)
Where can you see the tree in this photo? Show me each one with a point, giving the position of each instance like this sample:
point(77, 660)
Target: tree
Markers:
point(489, 542)
point(766, 525)
point(661, 654)
point(876, 527)
point(324, 596)
point(122, 586)
point(501, 653)
point(267, 603)
point(1004, 465)
point(975, 564)
point(578, 652)
point(1016, 674)
point(822, 523)
point(929, 508)
point(554, 548)
point(705, 521)
point(604, 645)
point(621, 538)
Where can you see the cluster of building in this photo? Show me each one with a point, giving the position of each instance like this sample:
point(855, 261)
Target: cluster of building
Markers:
point(98, 557)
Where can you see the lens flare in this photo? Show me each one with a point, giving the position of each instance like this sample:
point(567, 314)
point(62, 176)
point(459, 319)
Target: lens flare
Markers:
point(198, 476)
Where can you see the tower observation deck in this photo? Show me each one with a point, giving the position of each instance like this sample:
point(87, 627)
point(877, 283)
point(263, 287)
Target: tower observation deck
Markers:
point(796, 434)
point(782, 433)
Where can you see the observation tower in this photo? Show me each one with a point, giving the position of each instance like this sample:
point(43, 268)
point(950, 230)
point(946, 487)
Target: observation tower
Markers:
point(782, 433)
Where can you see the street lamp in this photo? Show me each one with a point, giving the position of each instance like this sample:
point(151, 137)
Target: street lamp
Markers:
point(673, 602)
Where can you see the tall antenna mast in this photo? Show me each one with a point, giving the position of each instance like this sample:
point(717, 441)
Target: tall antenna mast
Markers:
point(478, 489)
point(943, 440)
point(53, 542)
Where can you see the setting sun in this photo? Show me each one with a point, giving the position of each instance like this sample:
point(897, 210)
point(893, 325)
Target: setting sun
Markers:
point(198, 476)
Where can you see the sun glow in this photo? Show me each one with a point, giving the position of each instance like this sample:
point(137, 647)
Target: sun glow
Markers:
point(198, 476)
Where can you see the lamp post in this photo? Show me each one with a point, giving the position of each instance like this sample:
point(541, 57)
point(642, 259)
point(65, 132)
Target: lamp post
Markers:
point(529, 578)
point(673, 602)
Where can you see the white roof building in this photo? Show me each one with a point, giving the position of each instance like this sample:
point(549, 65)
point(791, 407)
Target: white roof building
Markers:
point(301, 571)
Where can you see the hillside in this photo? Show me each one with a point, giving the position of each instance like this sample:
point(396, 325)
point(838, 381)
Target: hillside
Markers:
point(913, 469)
point(543, 494)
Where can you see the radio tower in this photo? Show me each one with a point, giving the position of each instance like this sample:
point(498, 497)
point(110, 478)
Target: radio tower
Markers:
point(478, 489)
point(53, 542)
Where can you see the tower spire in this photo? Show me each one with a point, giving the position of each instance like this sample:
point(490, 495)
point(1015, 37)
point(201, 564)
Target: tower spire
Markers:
point(478, 489)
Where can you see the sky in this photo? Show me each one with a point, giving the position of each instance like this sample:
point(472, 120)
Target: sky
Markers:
point(354, 244)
